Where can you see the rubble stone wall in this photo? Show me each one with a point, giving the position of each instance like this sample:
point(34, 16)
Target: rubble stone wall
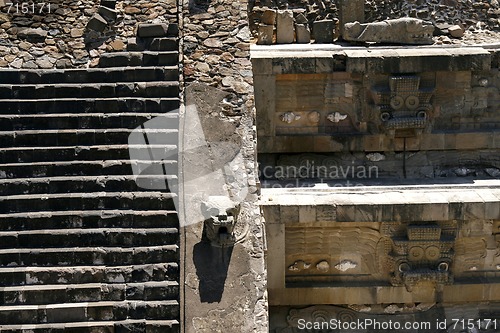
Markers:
point(476, 16)
point(54, 33)
point(218, 81)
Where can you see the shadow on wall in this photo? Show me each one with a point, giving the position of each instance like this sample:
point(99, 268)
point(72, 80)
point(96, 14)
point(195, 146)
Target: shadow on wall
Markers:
point(212, 265)
point(199, 6)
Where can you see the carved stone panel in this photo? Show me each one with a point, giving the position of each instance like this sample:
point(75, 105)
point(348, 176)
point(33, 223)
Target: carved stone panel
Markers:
point(403, 104)
point(424, 254)
point(316, 104)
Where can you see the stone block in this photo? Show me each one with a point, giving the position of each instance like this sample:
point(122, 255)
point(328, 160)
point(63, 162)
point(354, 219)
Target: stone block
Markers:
point(97, 23)
point(284, 27)
point(262, 66)
point(456, 31)
point(32, 35)
point(107, 13)
point(289, 214)
point(173, 30)
point(303, 33)
point(324, 65)
point(351, 11)
point(265, 34)
point(323, 31)
point(268, 17)
point(307, 214)
point(134, 45)
point(326, 213)
point(163, 44)
point(401, 31)
point(109, 3)
point(271, 214)
point(346, 213)
point(152, 30)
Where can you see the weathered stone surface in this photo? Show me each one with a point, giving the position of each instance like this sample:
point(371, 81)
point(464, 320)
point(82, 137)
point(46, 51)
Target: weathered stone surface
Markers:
point(303, 33)
point(351, 11)
point(32, 35)
point(107, 13)
point(269, 17)
point(266, 34)
point(109, 3)
point(323, 31)
point(152, 30)
point(404, 31)
point(284, 27)
point(97, 23)
point(456, 31)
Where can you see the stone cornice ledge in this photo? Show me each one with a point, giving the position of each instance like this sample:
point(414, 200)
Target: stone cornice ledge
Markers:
point(313, 59)
point(480, 200)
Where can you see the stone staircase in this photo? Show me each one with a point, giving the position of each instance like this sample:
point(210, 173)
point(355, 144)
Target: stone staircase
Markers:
point(82, 247)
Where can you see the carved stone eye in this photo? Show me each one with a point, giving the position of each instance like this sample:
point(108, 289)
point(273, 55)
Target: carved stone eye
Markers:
point(412, 102)
point(432, 253)
point(416, 253)
point(443, 267)
point(397, 102)
point(404, 267)
point(385, 116)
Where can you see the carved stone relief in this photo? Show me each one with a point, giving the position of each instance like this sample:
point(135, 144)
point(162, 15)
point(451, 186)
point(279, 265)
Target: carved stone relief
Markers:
point(221, 225)
point(318, 104)
point(418, 252)
point(404, 104)
point(330, 254)
point(485, 96)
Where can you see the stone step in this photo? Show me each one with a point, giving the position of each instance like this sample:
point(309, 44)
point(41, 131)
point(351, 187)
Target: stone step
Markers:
point(61, 121)
point(89, 105)
point(72, 153)
point(81, 137)
point(89, 311)
point(144, 58)
point(115, 237)
point(88, 256)
point(163, 44)
point(19, 276)
point(79, 168)
point(89, 292)
point(71, 184)
point(130, 325)
point(90, 90)
point(153, 44)
point(88, 75)
point(83, 219)
point(91, 201)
